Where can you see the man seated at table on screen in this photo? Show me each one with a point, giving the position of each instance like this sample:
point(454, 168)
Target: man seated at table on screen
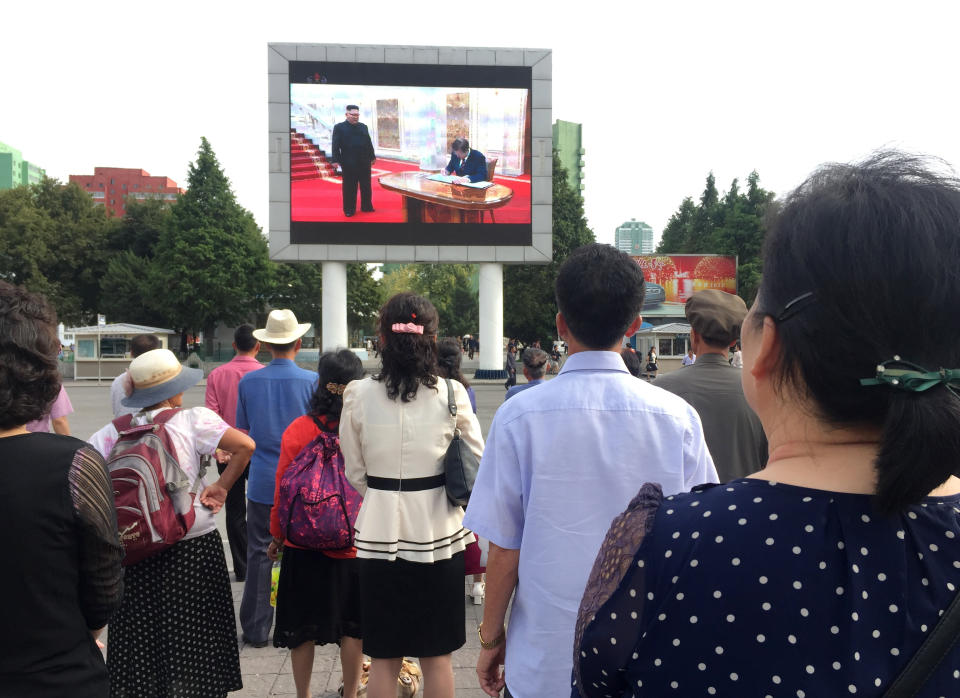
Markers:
point(469, 165)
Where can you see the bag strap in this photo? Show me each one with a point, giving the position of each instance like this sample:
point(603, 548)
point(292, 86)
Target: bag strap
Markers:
point(926, 660)
point(451, 402)
point(452, 407)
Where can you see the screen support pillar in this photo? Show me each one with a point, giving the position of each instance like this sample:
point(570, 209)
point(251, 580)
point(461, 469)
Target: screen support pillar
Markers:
point(334, 299)
point(491, 322)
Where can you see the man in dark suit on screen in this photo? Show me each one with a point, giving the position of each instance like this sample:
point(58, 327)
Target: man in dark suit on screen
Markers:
point(468, 165)
point(352, 149)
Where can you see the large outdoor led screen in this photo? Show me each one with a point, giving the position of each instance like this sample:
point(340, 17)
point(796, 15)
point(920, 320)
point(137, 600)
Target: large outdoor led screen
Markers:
point(410, 118)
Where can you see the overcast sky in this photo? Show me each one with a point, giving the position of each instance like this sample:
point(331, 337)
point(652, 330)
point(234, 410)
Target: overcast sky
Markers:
point(665, 91)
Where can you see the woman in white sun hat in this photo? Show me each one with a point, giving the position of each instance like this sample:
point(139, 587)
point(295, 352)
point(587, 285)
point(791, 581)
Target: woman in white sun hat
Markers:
point(175, 632)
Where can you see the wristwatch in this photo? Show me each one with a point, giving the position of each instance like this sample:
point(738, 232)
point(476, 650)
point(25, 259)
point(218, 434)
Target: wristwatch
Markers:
point(493, 643)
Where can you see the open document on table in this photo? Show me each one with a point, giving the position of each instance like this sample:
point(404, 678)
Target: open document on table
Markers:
point(449, 180)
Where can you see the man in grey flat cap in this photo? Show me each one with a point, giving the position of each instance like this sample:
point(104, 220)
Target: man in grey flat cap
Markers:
point(712, 386)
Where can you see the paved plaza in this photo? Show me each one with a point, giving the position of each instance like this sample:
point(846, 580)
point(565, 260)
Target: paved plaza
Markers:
point(267, 671)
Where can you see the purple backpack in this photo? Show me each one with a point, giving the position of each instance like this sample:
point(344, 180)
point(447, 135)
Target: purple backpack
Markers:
point(316, 505)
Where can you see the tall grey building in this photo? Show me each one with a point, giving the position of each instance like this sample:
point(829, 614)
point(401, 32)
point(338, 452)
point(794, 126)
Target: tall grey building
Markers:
point(634, 237)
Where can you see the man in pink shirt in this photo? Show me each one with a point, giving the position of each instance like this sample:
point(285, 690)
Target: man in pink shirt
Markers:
point(221, 397)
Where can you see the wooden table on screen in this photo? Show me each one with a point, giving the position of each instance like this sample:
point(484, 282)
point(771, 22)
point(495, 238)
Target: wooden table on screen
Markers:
point(428, 201)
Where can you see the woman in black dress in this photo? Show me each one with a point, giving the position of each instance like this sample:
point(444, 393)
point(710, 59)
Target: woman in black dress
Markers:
point(58, 526)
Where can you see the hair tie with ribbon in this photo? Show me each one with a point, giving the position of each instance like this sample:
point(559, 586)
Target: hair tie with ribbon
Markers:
point(336, 388)
point(914, 378)
point(407, 328)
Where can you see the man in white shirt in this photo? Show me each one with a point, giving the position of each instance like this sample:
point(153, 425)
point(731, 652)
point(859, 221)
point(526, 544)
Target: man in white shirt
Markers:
point(560, 463)
point(122, 386)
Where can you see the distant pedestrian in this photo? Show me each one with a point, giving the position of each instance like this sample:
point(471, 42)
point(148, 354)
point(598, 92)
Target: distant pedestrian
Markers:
point(511, 367)
point(534, 367)
point(268, 400)
point(221, 397)
point(631, 360)
point(122, 386)
point(690, 358)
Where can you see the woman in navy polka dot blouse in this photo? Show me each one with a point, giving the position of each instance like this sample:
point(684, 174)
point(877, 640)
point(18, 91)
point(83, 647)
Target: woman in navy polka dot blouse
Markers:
point(822, 574)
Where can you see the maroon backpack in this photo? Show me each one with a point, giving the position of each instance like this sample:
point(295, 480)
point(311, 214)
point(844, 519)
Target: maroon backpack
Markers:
point(316, 505)
point(153, 494)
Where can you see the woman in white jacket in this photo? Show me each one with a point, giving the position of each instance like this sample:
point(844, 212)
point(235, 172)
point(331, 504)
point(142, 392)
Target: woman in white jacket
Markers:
point(394, 431)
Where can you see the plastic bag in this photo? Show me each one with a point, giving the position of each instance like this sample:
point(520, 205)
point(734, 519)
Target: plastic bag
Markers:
point(274, 581)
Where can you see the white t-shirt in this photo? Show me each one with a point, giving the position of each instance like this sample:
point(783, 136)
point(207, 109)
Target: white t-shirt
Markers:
point(195, 432)
point(117, 393)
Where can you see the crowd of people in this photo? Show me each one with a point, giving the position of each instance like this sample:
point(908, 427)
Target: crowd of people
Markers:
point(778, 522)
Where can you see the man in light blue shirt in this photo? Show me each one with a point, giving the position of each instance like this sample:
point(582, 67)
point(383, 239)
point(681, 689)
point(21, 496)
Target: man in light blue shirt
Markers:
point(560, 463)
point(267, 401)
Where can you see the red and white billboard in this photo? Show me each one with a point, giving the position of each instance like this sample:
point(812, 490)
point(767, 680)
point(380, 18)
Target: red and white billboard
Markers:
point(672, 279)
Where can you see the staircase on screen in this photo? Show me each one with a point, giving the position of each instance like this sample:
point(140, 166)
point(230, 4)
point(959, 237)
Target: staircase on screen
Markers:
point(307, 161)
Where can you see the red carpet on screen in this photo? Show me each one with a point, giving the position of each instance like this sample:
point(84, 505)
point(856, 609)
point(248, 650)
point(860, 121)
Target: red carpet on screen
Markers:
point(320, 200)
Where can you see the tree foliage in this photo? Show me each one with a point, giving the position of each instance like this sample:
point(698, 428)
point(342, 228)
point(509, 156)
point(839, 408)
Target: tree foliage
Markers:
point(727, 225)
point(211, 262)
point(51, 241)
point(529, 308)
point(452, 288)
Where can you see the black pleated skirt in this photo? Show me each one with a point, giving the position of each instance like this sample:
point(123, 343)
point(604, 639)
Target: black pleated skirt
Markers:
point(175, 635)
point(318, 599)
point(412, 609)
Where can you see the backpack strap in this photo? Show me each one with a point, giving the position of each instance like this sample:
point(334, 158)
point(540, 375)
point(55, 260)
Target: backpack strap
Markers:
point(931, 653)
point(123, 422)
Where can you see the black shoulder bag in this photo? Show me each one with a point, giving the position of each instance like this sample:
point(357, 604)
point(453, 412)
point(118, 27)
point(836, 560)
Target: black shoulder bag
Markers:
point(933, 650)
point(460, 465)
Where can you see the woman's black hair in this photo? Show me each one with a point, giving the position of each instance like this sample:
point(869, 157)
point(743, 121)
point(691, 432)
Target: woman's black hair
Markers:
point(29, 376)
point(408, 360)
point(337, 367)
point(863, 260)
point(449, 354)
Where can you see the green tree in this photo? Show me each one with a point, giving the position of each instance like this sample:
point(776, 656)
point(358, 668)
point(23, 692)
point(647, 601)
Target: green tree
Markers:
point(731, 225)
point(529, 306)
point(131, 246)
point(211, 262)
point(364, 298)
point(452, 288)
point(52, 241)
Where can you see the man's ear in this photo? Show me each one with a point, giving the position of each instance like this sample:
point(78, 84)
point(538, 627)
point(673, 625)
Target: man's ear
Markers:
point(562, 330)
point(634, 327)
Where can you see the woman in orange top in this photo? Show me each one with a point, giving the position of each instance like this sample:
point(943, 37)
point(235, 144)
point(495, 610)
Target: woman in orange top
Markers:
point(317, 595)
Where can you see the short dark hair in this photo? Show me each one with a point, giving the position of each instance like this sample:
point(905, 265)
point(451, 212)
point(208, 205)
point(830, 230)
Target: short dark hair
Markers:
point(243, 338)
point(337, 367)
point(351, 107)
point(143, 343)
point(460, 145)
point(408, 360)
point(874, 243)
point(600, 291)
point(632, 361)
point(29, 376)
point(280, 348)
point(449, 356)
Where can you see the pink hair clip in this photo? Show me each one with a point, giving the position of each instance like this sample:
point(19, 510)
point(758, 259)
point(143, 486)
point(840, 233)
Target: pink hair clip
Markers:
point(407, 328)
